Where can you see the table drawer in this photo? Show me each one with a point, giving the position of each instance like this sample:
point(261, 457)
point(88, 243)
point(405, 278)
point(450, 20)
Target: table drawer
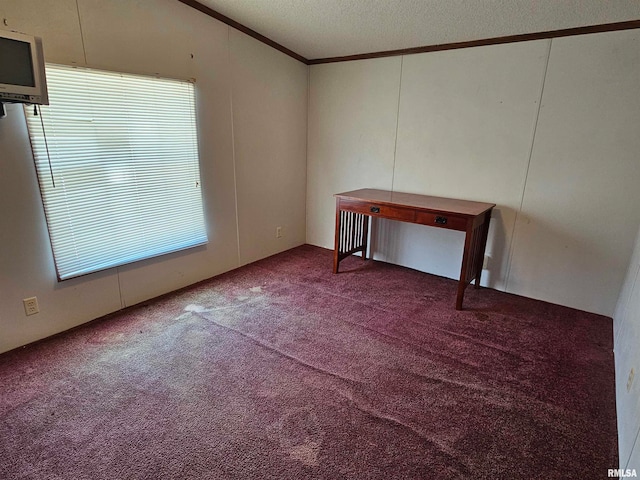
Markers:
point(441, 220)
point(376, 210)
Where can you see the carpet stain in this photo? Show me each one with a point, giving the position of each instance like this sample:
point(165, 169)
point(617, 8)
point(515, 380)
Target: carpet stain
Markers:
point(306, 453)
point(300, 435)
point(194, 308)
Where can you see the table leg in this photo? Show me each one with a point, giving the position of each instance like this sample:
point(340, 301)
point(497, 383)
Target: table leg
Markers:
point(482, 247)
point(365, 236)
point(466, 258)
point(336, 250)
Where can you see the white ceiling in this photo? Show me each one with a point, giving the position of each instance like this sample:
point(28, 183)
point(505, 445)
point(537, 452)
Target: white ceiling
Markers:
point(331, 28)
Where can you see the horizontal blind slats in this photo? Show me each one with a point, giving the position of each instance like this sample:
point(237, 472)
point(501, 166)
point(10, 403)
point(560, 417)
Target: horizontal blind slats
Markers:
point(124, 159)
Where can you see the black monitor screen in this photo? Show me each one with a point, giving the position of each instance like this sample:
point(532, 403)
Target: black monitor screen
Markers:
point(16, 67)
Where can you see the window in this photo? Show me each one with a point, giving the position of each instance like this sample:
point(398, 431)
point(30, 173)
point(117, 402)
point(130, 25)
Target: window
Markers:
point(117, 162)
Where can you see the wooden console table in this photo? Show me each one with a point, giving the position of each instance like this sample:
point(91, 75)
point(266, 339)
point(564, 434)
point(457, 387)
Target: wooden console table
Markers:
point(353, 210)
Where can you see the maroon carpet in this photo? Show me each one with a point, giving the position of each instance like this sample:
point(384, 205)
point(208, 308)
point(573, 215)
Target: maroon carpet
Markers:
point(281, 370)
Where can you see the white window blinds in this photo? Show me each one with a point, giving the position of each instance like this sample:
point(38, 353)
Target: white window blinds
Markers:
point(117, 161)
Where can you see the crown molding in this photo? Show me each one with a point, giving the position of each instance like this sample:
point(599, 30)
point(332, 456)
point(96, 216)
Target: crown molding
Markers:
point(238, 26)
point(567, 32)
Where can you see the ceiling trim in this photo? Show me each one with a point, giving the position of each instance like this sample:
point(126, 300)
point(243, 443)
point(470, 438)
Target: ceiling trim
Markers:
point(606, 27)
point(525, 37)
point(238, 26)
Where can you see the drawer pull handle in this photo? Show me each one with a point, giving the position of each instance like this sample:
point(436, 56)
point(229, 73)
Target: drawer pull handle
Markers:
point(375, 209)
point(441, 220)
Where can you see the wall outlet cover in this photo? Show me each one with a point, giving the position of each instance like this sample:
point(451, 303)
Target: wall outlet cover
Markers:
point(30, 305)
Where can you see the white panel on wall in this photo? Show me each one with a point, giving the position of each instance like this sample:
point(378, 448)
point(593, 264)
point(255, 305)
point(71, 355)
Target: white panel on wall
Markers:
point(620, 316)
point(269, 95)
point(174, 40)
point(580, 212)
point(466, 124)
point(627, 357)
point(353, 110)
point(56, 22)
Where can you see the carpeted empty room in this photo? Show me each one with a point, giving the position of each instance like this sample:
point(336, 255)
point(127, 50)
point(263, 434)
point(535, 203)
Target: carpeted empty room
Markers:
point(324, 240)
point(282, 370)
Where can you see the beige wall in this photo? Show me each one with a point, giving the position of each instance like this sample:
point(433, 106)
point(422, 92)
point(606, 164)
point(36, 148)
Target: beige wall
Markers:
point(271, 187)
point(547, 130)
point(576, 230)
point(351, 142)
point(252, 127)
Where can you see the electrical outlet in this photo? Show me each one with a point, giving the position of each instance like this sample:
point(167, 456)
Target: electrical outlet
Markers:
point(486, 261)
point(630, 379)
point(278, 232)
point(30, 306)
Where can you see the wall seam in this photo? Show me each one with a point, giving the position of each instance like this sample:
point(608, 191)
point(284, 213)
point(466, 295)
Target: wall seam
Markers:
point(122, 302)
point(306, 161)
point(526, 175)
point(84, 49)
point(233, 145)
point(395, 143)
point(635, 442)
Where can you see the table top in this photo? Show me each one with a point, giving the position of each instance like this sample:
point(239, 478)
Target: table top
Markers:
point(423, 202)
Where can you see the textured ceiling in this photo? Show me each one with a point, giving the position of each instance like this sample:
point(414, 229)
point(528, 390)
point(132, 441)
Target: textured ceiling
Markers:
point(331, 28)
